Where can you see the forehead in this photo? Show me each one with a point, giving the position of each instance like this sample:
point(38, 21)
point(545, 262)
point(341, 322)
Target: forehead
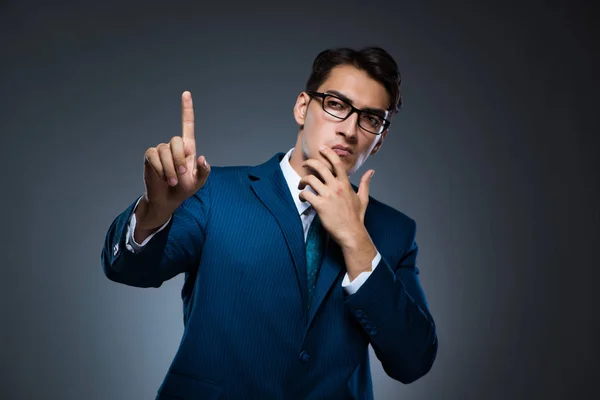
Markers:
point(358, 86)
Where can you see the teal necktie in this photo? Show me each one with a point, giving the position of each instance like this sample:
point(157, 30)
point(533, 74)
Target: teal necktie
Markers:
point(315, 248)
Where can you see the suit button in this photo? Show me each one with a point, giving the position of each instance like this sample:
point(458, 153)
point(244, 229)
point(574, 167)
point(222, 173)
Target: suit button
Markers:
point(360, 313)
point(304, 356)
point(368, 326)
point(373, 332)
point(363, 319)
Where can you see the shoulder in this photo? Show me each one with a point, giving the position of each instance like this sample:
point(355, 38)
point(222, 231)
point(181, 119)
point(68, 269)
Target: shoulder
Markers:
point(387, 216)
point(230, 172)
point(221, 178)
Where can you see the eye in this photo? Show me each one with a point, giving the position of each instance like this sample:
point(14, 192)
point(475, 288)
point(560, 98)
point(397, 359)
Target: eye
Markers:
point(335, 104)
point(372, 120)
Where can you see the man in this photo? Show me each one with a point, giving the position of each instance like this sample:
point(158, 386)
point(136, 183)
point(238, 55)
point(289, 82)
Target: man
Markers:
point(290, 270)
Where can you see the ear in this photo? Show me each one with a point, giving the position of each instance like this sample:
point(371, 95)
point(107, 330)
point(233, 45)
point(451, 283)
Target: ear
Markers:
point(301, 108)
point(379, 142)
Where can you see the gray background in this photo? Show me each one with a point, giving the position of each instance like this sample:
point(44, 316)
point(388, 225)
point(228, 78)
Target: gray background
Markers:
point(495, 155)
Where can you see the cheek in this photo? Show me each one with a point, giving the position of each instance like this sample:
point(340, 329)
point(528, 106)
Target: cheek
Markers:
point(313, 131)
point(366, 150)
point(372, 144)
point(312, 123)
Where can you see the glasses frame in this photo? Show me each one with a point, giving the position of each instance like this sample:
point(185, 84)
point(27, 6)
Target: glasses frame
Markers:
point(359, 112)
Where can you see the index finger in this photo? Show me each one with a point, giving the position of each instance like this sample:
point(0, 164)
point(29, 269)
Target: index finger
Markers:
point(187, 116)
point(336, 162)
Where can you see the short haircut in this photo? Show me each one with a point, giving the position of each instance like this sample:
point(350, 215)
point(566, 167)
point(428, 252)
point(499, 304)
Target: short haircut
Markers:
point(375, 61)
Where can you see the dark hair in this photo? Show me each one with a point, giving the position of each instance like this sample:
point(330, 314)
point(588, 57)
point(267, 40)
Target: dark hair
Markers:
point(375, 61)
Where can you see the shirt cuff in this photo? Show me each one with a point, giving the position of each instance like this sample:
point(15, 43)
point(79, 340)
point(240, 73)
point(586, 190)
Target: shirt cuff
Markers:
point(130, 242)
point(352, 287)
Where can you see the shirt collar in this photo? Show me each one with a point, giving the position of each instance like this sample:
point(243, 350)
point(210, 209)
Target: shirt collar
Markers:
point(293, 179)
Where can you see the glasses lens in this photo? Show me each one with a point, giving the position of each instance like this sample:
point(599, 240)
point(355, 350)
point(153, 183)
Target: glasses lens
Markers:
point(336, 107)
point(340, 109)
point(371, 122)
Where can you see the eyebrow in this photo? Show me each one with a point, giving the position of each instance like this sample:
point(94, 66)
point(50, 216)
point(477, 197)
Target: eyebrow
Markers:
point(367, 109)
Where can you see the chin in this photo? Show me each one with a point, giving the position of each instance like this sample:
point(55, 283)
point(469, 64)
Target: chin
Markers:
point(353, 168)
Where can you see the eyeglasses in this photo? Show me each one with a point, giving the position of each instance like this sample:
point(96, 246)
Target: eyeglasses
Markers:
point(339, 108)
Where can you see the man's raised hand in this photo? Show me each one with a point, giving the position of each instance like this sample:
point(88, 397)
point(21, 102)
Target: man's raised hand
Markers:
point(172, 173)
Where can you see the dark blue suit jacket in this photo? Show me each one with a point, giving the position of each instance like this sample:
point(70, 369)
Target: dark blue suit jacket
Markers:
point(248, 335)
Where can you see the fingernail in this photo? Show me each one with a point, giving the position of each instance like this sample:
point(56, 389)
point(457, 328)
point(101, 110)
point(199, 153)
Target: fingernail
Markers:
point(372, 173)
point(322, 148)
point(205, 164)
point(172, 181)
point(182, 169)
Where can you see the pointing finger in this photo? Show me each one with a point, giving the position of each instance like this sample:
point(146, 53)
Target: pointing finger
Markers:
point(187, 116)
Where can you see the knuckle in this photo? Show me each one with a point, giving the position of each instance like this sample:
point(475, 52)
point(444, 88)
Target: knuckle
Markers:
point(175, 140)
point(150, 152)
point(155, 163)
point(151, 157)
point(162, 147)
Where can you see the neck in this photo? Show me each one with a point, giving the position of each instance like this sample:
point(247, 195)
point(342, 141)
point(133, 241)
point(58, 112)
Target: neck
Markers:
point(297, 159)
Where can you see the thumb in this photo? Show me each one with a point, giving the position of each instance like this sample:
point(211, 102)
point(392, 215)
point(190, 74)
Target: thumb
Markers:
point(363, 188)
point(202, 170)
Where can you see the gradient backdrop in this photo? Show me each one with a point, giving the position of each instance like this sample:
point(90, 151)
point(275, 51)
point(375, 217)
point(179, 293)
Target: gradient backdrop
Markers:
point(495, 155)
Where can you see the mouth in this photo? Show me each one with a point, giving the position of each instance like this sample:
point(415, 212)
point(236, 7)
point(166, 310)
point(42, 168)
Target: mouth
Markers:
point(342, 151)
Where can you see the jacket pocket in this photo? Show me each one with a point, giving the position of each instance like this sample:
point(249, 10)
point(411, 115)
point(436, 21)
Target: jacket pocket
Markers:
point(183, 387)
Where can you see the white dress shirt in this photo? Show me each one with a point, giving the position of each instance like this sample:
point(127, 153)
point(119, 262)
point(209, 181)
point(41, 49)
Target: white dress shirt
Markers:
point(307, 214)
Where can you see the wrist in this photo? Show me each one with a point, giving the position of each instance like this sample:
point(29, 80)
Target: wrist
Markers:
point(151, 216)
point(358, 251)
point(355, 240)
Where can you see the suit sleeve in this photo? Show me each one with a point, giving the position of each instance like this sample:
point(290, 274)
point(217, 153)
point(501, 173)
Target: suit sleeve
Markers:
point(130, 242)
point(175, 249)
point(392, 309)
point(352, 287)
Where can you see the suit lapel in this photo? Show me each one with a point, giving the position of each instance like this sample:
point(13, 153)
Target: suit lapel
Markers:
point(270, 187)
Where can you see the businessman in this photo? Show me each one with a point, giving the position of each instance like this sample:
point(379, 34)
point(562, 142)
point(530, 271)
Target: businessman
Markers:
point(290, 270)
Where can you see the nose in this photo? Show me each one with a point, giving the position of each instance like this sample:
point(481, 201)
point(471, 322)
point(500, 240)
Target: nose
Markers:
point(349, 126)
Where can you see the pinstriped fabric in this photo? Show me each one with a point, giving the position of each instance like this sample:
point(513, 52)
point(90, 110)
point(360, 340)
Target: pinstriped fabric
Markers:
point(248, 332)
point(272, 192)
